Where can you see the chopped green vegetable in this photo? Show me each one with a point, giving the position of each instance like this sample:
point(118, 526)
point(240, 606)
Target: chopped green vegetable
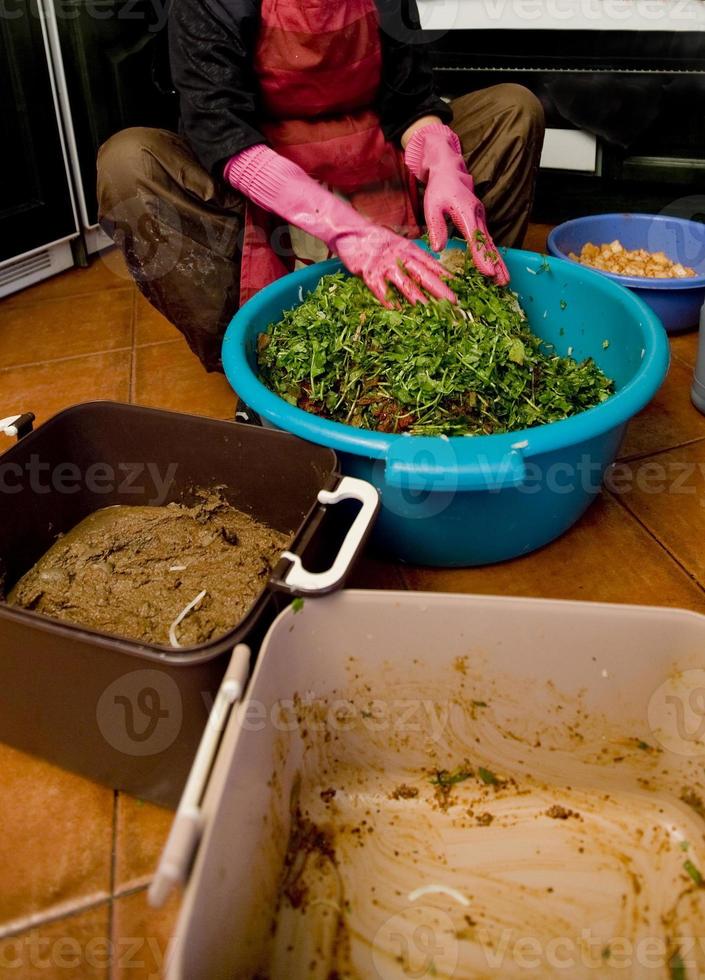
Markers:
point(445, 778)
point(297, 605)
point(516, 351)
point(693, 872)
point(430, 369)
point(605, 344)
point(487, 777)
point(676, 967)
point(692, 799)
point(641, 744)
point(563, 305)
point(479, 704)
point(684, 845)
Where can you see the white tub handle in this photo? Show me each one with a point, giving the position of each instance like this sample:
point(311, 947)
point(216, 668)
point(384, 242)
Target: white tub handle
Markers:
point(187, 827)
point(298, 579)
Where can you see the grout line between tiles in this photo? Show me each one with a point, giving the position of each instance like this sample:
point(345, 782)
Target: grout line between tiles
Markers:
point(144, 881)
point(659, 452)
point(134, 890)
point(133, 332)
point(678, 357)
point(157, 343)
point(113, 841)
point(664, 547)
point(16, 304)
point(113, 864)
point(60, 914)
point(133, 377)
point(62, 360)
point(114, 969)
point(67, 911)
point(404, 579)
point(131, 383)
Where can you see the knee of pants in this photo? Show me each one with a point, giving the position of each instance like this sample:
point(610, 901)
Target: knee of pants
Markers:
point(527, 109)
point(512, 107)
point(123, 165)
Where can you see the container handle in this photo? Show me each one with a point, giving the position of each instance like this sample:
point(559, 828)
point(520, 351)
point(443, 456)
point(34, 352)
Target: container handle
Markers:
point(17, 425)
point(434, 464)
point(187, 828)
point(298, 579)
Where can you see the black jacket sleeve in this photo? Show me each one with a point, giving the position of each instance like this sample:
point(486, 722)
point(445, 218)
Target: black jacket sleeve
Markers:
point(211, 44)
point(408, 91)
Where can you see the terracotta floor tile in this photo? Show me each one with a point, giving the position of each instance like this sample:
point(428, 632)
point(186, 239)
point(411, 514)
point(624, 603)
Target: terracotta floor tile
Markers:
point(141, 833)
point(373, 572)
point(606, 557)
point(72, 948)
point(150, 326)
point(141, 936)
point(536, 237)
point(56, 838)
point(667, 493)
point(685, 346)
point(670, 420)
point(170, 376)
point(107, 270)
point(66, 327)
point(55, 828)
point(47, 388)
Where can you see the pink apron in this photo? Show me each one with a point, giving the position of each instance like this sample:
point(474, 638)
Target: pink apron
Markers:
point(319, 67)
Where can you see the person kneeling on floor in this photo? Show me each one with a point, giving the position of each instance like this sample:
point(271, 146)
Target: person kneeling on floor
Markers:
point(310, 129)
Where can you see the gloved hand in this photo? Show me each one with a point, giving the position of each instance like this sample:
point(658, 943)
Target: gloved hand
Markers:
point(433, 155)
point(380, 257)
point(376, 254)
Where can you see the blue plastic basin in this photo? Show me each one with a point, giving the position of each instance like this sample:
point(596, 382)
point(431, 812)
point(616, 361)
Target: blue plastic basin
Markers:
point(480, 499)
point(676, 301)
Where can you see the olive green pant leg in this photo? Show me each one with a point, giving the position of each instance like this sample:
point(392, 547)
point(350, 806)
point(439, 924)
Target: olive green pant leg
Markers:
point(501, 131)
point(180, 233)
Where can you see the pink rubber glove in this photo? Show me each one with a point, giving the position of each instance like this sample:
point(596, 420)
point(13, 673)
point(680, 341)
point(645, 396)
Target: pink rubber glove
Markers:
point(376, 254)
point(434, 156)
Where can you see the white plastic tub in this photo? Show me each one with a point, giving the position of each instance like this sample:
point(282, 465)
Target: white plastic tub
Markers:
point(582, 859)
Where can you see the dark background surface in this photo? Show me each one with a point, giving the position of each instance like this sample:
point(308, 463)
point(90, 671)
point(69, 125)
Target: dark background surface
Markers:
point(643, 94)
point(34, 202)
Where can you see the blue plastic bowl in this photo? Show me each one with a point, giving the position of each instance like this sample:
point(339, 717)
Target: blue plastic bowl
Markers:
point(676, 301)
point(470, 501)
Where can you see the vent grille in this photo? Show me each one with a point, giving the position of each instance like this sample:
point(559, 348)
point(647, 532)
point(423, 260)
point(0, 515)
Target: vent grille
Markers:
point(15, 271)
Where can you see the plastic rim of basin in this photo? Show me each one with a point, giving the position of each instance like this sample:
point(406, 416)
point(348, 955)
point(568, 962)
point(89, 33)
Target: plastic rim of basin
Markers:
point(457, 456)
point(624, 225)
point(676, 302)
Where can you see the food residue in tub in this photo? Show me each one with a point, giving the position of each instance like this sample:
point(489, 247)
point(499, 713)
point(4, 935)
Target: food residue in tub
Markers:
point(180, 574)
point(558, 812)
point(460, 853)
point(404, 792)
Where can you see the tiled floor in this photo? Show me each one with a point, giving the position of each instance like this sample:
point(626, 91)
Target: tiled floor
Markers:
point(75, 857)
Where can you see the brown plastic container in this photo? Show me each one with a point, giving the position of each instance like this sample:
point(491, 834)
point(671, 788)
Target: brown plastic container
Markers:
point(117, 711)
